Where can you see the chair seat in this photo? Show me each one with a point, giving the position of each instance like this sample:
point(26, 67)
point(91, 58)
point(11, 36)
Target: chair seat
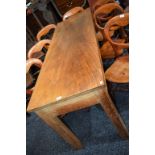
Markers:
point(118, 72)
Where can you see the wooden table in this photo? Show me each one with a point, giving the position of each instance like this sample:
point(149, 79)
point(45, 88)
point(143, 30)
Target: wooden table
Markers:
point(72, 78)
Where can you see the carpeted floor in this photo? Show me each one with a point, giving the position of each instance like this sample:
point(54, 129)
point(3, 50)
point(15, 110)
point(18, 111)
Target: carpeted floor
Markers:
point(91, 125)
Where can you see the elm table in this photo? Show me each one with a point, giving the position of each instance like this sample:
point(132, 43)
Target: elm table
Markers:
point(72, 78)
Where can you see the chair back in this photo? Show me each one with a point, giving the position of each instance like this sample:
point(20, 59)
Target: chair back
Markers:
point(45, 30)
point(105, 12)
point(119, 21)
point(99, 3)
point(36, 50)
point(72, 12)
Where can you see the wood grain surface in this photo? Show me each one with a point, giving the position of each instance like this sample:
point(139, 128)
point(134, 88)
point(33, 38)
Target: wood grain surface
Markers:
point(118, 72)
point(72, 65)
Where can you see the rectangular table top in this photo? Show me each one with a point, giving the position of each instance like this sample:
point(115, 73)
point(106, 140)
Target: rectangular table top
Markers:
point(72, 65)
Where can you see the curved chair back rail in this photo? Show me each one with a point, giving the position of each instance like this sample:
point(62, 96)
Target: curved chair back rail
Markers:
point(120, 21)
point(99, 3)
point(45, 30)
point(37, 48)
point(104, 11)
point(31, 62)
point(72, 12)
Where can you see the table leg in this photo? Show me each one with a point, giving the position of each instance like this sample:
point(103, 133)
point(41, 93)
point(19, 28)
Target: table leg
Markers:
point(113, 114)
point(55, 123)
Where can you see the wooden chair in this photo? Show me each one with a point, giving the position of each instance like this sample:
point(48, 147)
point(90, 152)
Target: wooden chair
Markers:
point(44, 31)
point(99, 3)
point(95, 5)
point(72, 12)
point(118, 72)
point(36, 50)
point(101, 15)
point(119, 21)
point(29, 77)
point(104, 13)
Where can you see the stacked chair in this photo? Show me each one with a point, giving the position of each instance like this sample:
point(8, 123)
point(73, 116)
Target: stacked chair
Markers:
point(119, 70)
point(39, 49)
point(101, 15)
point(112, 22)
point(44, 38)
point(36, 56)
point(97, 4)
